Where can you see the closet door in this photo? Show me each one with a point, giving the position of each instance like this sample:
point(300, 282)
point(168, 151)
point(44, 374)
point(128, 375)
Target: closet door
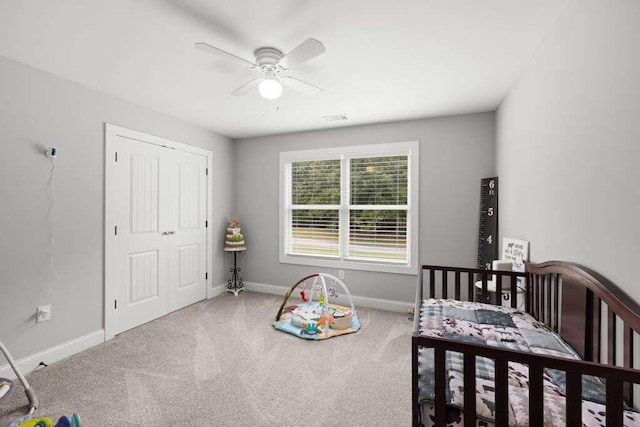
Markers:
point(141, 245)
point(156, 234)
point(161, 238)
point(188, 238)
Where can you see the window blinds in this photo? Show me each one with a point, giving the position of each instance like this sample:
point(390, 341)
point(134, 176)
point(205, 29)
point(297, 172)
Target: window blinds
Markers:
point(315, 214)
point(378, 209)
point(374, 208)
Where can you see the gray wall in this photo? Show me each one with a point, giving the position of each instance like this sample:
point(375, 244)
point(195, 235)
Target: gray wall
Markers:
point(455, 153)
point(568, 143)
point(38, 110)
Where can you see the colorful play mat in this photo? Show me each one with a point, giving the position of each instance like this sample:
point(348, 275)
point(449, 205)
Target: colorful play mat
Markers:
point(315, 318)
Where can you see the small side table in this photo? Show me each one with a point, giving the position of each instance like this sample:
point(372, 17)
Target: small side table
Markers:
point(234, 284)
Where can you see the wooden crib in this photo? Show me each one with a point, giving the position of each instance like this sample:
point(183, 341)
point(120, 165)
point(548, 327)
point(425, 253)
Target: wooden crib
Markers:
point(593, 316)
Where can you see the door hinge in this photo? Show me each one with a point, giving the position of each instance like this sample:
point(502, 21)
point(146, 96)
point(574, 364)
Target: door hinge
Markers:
point(116, 156)
point(206, 224)
point(116, 230)
point(206, 171)
point(206, 276)
point(115, 304)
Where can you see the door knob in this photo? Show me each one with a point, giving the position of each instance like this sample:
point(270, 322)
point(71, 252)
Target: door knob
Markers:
point(165, 233)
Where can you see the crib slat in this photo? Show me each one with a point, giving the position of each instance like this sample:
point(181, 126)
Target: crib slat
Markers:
point(611, 336)
point(457, 285)
point(514, 291)
point(588, 324)
point(536, 395)
point(543, 292)
point(548, 310)
point(469, 387)
point(445, 286)
point(527, 293)
point(502, 392)
point(415, 391)
point(471, 296)
point(556, 305)
point(432, 283)
point(597, 322)
point(534, 301)
point(574, 398)
point(440, 378)
point(484, 297)
point(497, 278)
point(628, 363)
point(536, 294)
point(614, 402)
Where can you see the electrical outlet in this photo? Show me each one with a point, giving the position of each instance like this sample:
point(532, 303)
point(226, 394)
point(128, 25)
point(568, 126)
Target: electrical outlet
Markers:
point(340, 274)
point(43, 313)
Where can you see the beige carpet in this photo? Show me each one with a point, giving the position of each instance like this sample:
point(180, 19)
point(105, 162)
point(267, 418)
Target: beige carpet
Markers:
point(221, 363)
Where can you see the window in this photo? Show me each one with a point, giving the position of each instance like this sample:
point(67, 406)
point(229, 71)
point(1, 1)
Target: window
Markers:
point(351, 207)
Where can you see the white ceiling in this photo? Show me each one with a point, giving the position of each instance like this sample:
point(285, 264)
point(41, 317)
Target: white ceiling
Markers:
point(384, 60)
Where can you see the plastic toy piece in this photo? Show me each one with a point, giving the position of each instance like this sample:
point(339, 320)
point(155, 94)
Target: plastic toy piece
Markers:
point(312, 328)
point(64, 422)
point(42, 422)
point(73, 421)
point(303, 296)
point(325, 319)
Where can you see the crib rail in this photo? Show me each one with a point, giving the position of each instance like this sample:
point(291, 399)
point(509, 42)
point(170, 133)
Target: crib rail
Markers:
point(471, 284)
point(616, 379)
point(462, 283)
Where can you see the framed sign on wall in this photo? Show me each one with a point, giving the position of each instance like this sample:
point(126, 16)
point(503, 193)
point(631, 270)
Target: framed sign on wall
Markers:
point(515, 251)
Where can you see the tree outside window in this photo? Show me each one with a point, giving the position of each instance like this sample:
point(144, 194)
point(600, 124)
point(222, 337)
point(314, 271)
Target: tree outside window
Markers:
point(349, 207)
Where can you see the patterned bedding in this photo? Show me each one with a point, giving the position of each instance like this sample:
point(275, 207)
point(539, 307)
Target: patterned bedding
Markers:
point(508, 328)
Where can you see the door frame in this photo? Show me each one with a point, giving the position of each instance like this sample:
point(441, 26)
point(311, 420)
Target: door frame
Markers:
point(111, 133)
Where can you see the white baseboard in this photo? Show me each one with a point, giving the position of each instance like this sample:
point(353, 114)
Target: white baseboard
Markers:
point(53, 354)
point(217, 290)
point(377, 303)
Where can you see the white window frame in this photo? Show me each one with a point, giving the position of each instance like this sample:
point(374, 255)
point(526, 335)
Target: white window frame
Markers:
point(409, 148)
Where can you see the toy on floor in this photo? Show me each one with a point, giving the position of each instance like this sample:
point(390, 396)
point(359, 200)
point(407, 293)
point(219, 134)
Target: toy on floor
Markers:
point(6, 387)
point(316, 318)
point(31, 395)
point(73, 421)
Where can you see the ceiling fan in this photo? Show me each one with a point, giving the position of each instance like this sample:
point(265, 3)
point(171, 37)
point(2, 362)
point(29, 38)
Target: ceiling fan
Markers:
point(271, 62)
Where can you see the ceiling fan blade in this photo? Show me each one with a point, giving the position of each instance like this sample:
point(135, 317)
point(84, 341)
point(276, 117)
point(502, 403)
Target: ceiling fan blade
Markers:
point(310, 48)
point(205, 47)
point(300, 85)
point(246, 88)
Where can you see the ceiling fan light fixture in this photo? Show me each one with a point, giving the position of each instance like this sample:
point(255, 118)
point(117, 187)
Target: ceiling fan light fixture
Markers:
point(270, 89)
point(269, 63)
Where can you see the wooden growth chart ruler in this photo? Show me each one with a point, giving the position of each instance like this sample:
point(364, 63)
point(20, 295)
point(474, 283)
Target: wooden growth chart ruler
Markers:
point(488, 229)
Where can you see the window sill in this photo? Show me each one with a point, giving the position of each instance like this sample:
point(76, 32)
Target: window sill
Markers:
point(349, 265)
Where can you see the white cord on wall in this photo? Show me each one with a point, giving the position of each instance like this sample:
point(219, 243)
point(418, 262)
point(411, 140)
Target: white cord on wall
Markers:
point(51, 221)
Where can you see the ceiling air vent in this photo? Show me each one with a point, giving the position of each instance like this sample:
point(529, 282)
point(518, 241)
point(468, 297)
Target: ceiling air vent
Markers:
point(335, 117)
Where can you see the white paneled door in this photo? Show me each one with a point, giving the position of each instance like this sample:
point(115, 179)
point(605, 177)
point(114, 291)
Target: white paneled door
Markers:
point(188, 239)
point(160, 237)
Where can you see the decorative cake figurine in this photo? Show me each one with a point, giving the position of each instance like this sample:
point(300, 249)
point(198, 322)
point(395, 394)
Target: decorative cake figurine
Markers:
point(234, 240)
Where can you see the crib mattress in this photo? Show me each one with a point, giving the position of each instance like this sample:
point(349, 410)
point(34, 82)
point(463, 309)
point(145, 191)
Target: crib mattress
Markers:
point(507, 328)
